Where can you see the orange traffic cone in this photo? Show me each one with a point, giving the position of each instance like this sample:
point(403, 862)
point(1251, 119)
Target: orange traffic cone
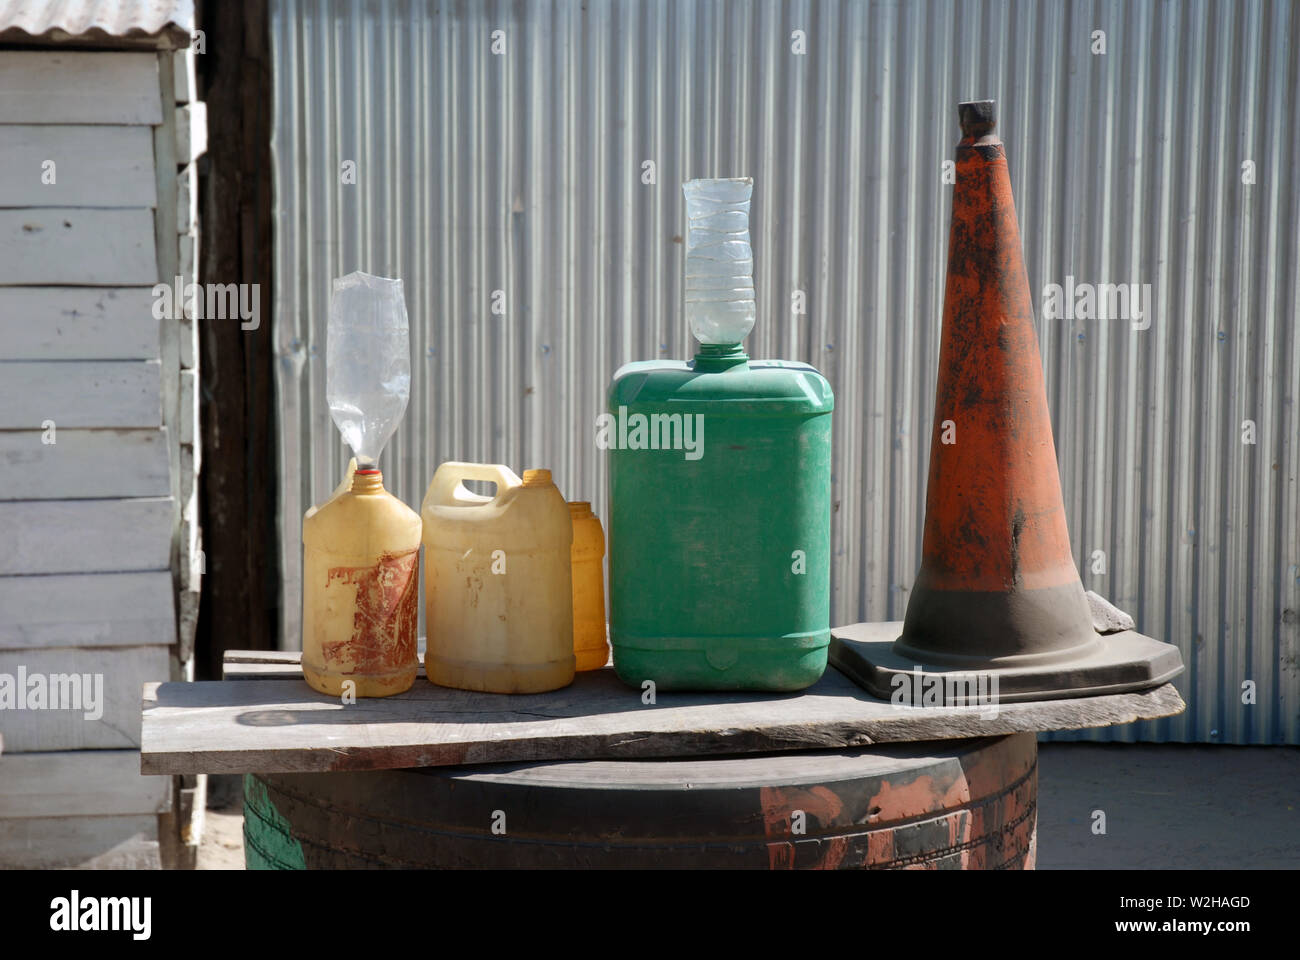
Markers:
point(998, 588)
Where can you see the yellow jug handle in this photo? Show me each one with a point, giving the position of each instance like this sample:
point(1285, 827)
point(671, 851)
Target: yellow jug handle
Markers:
point(446, 490)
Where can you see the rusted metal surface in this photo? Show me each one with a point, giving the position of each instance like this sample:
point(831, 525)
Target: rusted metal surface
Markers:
point(968, 804)
point(979, 815)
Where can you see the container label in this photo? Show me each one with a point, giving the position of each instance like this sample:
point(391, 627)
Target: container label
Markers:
point(384, 626)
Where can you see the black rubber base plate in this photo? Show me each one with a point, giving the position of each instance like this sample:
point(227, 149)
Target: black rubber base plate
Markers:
point(1124, 661)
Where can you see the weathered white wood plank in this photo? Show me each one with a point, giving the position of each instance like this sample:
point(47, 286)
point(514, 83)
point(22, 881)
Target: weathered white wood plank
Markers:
point(86, 536)
point(87, 610)
point(190, 548)
point(165, 239)
point(189, 489)
point(83, 464)
point(191, 132)
point(193, 804)
point(79, 783)
point(109, 393)
point(189, 255)
point(88, 843)
point(270, 726)
point(77, 245)
point(76, 166)
point(287, 659)
point(188, 620)
point(79, 87)
point(187, 199)
point(191, 552)
point(189, 425)
point(78, 323)
point(181, 671)
point(187, 333)
point(117, 676)
point(184, 71)
point(190, 465)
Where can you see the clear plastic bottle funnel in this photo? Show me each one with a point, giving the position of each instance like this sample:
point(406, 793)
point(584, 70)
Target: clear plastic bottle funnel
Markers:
point(367, 362)
point(719, 260)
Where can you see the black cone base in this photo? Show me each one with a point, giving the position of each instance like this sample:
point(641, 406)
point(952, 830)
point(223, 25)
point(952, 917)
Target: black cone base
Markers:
point(1117, 663)
point(1040, 625)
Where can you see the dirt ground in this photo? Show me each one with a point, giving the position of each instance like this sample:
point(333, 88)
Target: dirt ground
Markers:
point(1165, 805)
point(223, 840)
point(222, 847)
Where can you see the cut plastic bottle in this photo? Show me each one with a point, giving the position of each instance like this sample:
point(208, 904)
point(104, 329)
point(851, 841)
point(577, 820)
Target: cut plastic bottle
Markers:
point(367, 362)
point(361, 547)
point(719, 260)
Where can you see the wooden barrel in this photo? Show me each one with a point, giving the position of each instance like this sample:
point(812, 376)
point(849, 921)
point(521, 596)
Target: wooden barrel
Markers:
point(949, 804)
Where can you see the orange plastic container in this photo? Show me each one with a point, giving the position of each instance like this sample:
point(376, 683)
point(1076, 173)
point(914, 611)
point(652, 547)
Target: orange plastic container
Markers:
point(590, 638)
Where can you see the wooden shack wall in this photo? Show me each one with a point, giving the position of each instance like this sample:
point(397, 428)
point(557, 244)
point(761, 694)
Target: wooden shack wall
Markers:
point(100, 454)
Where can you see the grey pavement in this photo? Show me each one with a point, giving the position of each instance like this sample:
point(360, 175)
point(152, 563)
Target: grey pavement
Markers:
point(1177, 806)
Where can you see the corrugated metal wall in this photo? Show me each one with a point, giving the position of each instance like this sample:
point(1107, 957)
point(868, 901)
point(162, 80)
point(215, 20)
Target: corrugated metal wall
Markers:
point(523, 172)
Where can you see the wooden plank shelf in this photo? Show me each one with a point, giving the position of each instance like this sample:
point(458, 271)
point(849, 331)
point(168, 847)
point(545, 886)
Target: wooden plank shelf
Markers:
point(269, 721)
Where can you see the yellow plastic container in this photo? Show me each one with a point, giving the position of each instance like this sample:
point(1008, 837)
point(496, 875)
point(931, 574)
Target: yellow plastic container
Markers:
point(498, 586)
point(360, 590)
point(590, 640)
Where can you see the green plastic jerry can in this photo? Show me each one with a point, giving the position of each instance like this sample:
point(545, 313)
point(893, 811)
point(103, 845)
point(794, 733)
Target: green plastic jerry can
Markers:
point(720, 484)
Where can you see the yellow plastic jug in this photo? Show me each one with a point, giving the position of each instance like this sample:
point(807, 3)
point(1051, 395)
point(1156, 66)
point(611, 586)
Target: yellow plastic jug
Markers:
point(360, 589)
point(498, 586)
point(590, 640)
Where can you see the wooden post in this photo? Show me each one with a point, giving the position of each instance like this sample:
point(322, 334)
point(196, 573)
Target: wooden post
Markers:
point(241, 586)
